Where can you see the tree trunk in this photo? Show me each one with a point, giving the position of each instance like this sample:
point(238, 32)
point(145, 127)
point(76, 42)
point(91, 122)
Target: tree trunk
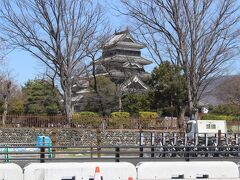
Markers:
point(119, 103)
point(96, 88)
point(195, 106)
point(5, 103)
point(181, 118)
point(190, 98)
point(68, 103)
point(5, 107)
point(196, 115)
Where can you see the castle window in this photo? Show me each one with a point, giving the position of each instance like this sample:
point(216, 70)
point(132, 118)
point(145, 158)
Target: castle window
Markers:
point(128, 40)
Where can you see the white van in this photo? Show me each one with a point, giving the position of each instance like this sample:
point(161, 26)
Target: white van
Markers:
point(201, 127)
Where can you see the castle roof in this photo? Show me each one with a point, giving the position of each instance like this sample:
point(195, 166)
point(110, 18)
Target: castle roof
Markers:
point(123, 39)
point(123, 58)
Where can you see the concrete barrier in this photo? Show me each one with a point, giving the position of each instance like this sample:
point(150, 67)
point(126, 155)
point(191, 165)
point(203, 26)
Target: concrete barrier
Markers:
point(187, 170)
point(75, 171)
point(111, 171)
point(10, 171)
point(52, 171)
point(121, 171)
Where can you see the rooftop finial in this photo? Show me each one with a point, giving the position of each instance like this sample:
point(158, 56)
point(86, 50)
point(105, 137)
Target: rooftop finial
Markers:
point(122, 32)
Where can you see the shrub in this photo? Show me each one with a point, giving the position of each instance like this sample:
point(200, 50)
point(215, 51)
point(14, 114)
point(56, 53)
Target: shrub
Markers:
point(237, 118)
point(87, 119)
point(88, 113)
point(148, 115)
point(135, 102)
point(120, 115)
point(217, 117)
point(120, 120)
point(148, 119)
point(226, 109)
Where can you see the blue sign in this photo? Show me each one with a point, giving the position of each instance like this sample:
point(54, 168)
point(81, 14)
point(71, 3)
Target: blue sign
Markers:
point(44, 141)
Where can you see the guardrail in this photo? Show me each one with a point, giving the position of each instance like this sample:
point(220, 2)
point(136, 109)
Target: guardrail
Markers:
point(115, 153)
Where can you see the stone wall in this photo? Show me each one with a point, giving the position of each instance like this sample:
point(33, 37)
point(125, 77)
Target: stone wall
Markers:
point(77, 137)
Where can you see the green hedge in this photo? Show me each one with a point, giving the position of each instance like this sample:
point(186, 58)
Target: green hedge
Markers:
point(119, 123)
point(236, 117)
point(119, 120)
point(148, 119)
point(148, 115)
point(120, 115)
point(88, 113)
point(217, 117)
point(226, 109)
point(87, 119)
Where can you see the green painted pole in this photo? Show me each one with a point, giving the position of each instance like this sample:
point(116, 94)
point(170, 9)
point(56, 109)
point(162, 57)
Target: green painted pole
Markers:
point(50, 151)
point(6, 155)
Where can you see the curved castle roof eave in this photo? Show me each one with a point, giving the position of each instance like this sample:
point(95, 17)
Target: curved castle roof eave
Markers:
point(119, 39)
point(124, 58)
point(136, 46)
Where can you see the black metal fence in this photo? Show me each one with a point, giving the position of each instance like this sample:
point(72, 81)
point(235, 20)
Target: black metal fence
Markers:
point(157, 146)
point(116, 153)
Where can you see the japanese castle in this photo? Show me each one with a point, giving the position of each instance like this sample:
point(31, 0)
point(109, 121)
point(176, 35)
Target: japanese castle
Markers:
point(122, 62)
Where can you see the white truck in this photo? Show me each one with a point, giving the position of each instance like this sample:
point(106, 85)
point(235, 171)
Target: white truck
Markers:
point(201, 128)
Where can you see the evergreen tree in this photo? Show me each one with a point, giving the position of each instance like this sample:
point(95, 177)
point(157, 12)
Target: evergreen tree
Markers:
point(168, 90)
point(136, 102)
point(41, 98)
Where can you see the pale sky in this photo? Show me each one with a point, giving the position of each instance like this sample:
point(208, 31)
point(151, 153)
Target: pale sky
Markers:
point(24, 66)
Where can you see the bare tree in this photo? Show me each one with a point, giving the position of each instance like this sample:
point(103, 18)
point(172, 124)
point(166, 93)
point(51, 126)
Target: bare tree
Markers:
point(5, 93)
point(199, 35)
point(8, 90)
point(94, 52)
point(57, 32)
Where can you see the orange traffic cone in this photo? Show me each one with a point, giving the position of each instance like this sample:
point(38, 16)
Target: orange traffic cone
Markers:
point(97, 175)
point(130, 178)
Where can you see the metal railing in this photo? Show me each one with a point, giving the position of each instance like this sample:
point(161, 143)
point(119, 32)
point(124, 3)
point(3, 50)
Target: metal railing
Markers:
point(60, 121)
point(115, 153)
